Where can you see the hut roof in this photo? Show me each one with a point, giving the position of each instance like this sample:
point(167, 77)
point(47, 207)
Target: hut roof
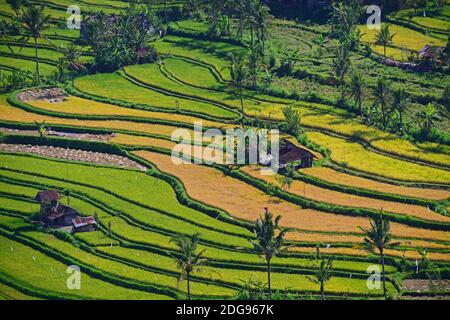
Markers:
point(292, 152)
point(83, 221)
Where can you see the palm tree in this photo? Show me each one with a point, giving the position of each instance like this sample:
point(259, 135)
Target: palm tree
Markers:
point(239, 76)
point(41, 129)
point(381, 94)
point(322, 274)
point(384, 37)
point(33, 22)
point(356, 89)
point(67, 193)
point(188, 260)
point(269, 240)
point(292, 117)
point(285, 182)
point(427, 118)
point(341, 65)
point(400, 103)
point(379, 237)
point(70, 60)
point(254, 60)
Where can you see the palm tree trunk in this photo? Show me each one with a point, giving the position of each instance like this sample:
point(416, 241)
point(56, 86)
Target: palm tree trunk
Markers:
point(242, 101)
point(401, 121)
point(37, 59)
point(268, 279)
point(188, 276)
point(360, 105)
point(383, 274)
point(322, 291)
point(165, 12)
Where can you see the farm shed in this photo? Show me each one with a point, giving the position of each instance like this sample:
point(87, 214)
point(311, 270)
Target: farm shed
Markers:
point(47, 196)
point(57, 215)
point(84, 224)
point(291, 153)
point(435, 54)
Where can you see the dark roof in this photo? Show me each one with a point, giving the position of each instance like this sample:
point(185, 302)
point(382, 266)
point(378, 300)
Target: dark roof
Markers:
point(47, 195)
point(431, 52)
point(290, 152)
point(83, 221)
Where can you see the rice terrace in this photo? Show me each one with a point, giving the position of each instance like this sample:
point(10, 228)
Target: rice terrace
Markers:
point(224, 150)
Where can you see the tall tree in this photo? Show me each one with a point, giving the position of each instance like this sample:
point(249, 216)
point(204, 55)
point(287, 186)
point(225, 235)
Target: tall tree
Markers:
point(70, 60)
point(322, 273)
point(33, 21)
point(381, 94)
point(345, 20)
point(356, 89)
point(239, 76)
point(427, 118)
point(187, 259)
point(341, 64)
point(384, 37)
point(292, 117)
point(269, 240)
point(254, 61)
point(400, 103)
point(378, 237)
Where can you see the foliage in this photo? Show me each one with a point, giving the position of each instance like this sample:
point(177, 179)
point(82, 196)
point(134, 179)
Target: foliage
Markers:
point(123, 42)
point(292, 117)
point(269, 240)
point(188, 260)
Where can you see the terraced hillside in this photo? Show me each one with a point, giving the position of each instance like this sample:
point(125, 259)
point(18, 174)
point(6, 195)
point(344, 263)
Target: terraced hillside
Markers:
point(361, 171)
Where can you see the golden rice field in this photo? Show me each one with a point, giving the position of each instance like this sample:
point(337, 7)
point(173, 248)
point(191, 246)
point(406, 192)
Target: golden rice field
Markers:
point(340, 122)
point(243, 201)
point(404, 38)
point(9, 113)
point(435, 256)
point(341, 178)
point(355, 156)
point(77, 105)
point(312, 192)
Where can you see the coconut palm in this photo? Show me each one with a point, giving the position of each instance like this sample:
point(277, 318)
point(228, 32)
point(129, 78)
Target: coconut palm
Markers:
point(187, 260)
point(427, 118)
point(239, 76)
point(33, 21)
point(341, 65)
point(254, 62)
point(41, 129)
point(269, 240)
point(67, 193)
point(384, 37)
point(356, 88)
point(322, 274)
point(70, 60)
point(400, 103)
point(381, 94)
point(378, 237)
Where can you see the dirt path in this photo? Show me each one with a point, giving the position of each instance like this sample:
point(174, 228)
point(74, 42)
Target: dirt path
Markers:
point(74, 155)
